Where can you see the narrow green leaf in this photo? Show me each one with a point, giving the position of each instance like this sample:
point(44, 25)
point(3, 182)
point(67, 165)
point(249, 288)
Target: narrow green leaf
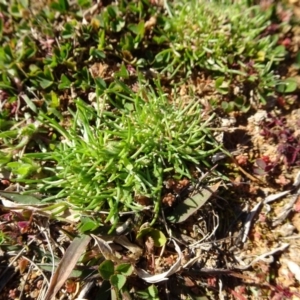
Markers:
point(6, 86)
point(4, 158)
point(19, 198)
point(9, 134)
point(29, 103)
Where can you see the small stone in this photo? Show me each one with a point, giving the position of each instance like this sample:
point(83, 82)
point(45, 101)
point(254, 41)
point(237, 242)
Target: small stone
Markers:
point(286, 230)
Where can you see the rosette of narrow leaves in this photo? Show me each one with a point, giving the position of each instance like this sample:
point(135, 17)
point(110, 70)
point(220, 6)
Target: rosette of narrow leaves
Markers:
point(108, 158)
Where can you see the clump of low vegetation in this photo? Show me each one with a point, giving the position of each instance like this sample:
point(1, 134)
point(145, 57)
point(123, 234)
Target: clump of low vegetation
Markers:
point(110, 113)
point(108, 159)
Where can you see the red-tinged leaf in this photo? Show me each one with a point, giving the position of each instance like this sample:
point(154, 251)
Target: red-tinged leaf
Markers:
point(23, 263)
point(261, 163)
point(70, 286)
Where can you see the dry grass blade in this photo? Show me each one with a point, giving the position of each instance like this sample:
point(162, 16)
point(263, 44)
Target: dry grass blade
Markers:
point(66, 265)
point(135, 249)
point(249, 221)
point(105, 249)
point(263, 257)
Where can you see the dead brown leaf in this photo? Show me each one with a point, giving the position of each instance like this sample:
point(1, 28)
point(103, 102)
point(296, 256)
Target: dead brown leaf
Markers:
point(66, 265)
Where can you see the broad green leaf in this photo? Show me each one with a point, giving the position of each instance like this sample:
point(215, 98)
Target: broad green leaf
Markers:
point(85, 3)
point(289, 85)
point(158, 237)
point(64, 82)
point(20, 168)
point(143, 295)
point(8, 51)
point(54, 100)
point(219, 81)
point(152, 290)
point(228, 106)
point(24, 170)
point(48, 73)
point(61, 5)
point(118, 25)
point(137, 29)
point(97, 53)
point(280, 51)
point(222, 86)
point(87, 224)
point(112, 11)
point(151, 293)
point(127, 43)
point(5, 124)
point(118, 281)
point(106, 269)
point(163, 56)
point(44, 83)
point(141, 28)
point(20, 198)
point(100, 83)
point(125, 269)
point(190, 205)
point(123, 73)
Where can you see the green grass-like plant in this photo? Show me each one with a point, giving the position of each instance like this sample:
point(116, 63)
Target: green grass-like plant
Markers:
point(109, 157)
point(225, 40)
